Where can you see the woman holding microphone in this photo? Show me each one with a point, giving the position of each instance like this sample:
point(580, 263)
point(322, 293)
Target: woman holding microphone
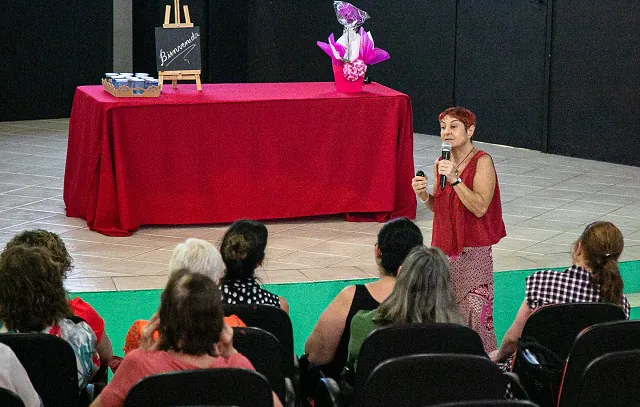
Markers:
point(467, 219)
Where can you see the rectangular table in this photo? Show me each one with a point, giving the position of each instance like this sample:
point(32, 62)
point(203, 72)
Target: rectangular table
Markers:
point(259, 151)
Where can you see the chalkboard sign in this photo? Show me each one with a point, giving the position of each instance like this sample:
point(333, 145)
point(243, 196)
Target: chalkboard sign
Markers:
point(178, 49)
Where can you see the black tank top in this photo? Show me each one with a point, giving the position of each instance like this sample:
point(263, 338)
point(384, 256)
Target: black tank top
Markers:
point(362, 301)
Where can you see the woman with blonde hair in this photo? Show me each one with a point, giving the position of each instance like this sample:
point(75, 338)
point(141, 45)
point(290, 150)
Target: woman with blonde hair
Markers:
point(594, 276)
point(422, 294)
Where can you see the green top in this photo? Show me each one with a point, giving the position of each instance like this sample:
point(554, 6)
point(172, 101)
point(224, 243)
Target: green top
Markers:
point(361, 326)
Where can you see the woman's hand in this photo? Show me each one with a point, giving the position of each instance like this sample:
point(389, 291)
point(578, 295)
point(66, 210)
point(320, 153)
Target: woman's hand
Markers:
point(224, 347)
point(419, 185)
point(446, 168)
point(148, 340)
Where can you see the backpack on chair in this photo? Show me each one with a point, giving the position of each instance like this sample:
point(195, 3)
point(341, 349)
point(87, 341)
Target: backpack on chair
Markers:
point(540, 371)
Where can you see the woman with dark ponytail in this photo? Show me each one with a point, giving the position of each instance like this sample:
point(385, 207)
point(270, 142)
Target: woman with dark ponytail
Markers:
point(243, 249)
point(593, 277)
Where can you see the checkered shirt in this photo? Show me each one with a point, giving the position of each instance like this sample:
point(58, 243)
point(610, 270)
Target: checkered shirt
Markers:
point(572, 285)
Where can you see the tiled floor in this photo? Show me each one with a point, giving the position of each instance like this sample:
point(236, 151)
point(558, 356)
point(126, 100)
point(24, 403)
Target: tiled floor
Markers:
point(547, 201)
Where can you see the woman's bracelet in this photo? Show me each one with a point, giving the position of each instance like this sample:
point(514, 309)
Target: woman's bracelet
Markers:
point(426, 200)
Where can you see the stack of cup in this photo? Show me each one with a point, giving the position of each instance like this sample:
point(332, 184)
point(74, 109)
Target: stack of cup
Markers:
point(138, 82)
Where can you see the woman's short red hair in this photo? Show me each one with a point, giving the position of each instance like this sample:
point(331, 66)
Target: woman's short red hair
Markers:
point(466, 116)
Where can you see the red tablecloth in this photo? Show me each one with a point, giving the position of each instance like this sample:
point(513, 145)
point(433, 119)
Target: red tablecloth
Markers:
point(260, 151)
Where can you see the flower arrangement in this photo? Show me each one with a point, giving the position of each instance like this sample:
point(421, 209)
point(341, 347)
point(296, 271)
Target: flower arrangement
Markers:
point(353, 51)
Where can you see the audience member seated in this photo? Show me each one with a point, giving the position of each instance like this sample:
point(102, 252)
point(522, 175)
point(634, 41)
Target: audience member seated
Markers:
point(13, 377)
point(33, 299)
point(242, 250)
point(593, 277)
point(422, 294)
point(327, 345)
point(198, 256)
point(55, 245)
point(192, 335)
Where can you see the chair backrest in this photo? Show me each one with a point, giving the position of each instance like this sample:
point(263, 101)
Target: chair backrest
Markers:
point(488, 403)
point(220, 387)
point(51, 365)
point(612, 380)
point(9, 398)
point(592, 343)
point(417, 380)
point(408, 339)
point(265, 354)
point(271, 319)
point(556, 326)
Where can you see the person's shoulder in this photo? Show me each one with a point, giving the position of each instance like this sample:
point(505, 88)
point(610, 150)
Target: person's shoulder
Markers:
point(140, 355)
point(236, 360)
point(6, 352)
point(484, 158)
point(347, 292)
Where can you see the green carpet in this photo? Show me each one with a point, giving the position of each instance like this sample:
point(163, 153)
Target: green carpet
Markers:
point(307, 300)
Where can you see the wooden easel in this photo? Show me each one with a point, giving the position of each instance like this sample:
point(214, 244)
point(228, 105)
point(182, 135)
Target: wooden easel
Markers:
point(174, 76)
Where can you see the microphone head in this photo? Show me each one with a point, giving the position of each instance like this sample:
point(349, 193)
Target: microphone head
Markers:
point(446, 146)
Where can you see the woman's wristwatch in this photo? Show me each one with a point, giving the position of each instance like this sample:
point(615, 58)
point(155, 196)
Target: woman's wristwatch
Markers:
point(459, 180)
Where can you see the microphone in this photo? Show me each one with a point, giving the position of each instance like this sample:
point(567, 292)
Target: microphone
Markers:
point(446, 154)
point(420, 173)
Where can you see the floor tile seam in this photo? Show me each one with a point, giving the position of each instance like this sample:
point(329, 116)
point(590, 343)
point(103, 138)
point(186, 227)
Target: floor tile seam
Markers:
point(32, 175)
point(269, 263)
point(25, 126)
point(327, 254)
point(38, 186)
point(116, 244)
point(38, 141)
point(365, 271)
point(328, 280)
point(284, 230)
point(364, 226)
point(18, 224)
point(22, 208)
point(160, 273)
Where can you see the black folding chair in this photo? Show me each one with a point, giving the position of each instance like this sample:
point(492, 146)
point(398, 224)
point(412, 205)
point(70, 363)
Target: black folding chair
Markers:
point(51, 365)
point(549, 333)
point(401, 340)
point(202, 387)
point(592, 343)
point(9, 398)
point(409, 339)
point(271, 319)
point(488, 403)
point(416, 380)
point(611, 380)
point(265, 352)
point(556, 326)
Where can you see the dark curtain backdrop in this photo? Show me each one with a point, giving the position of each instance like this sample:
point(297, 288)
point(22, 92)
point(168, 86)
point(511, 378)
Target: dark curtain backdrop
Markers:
point(553, 75)
point(48, 48)
point(500, 69)
point(595, 80)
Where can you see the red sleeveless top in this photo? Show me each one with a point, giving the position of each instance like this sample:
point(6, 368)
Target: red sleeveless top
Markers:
point(455, 227)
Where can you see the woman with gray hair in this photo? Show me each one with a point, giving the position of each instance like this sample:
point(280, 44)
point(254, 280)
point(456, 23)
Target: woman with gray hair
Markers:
point(422, 294)
point(197, 256)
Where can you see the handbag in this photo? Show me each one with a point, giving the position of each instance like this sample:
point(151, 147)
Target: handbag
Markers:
point(540, 371)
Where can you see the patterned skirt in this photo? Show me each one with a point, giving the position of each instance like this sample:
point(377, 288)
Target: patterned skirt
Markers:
point(472, 280)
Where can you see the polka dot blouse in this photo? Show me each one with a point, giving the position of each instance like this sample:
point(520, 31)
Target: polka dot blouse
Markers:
point(247, 291)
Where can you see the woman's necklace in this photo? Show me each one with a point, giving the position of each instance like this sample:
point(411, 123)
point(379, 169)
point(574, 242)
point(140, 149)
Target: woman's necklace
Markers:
point(463, 160)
